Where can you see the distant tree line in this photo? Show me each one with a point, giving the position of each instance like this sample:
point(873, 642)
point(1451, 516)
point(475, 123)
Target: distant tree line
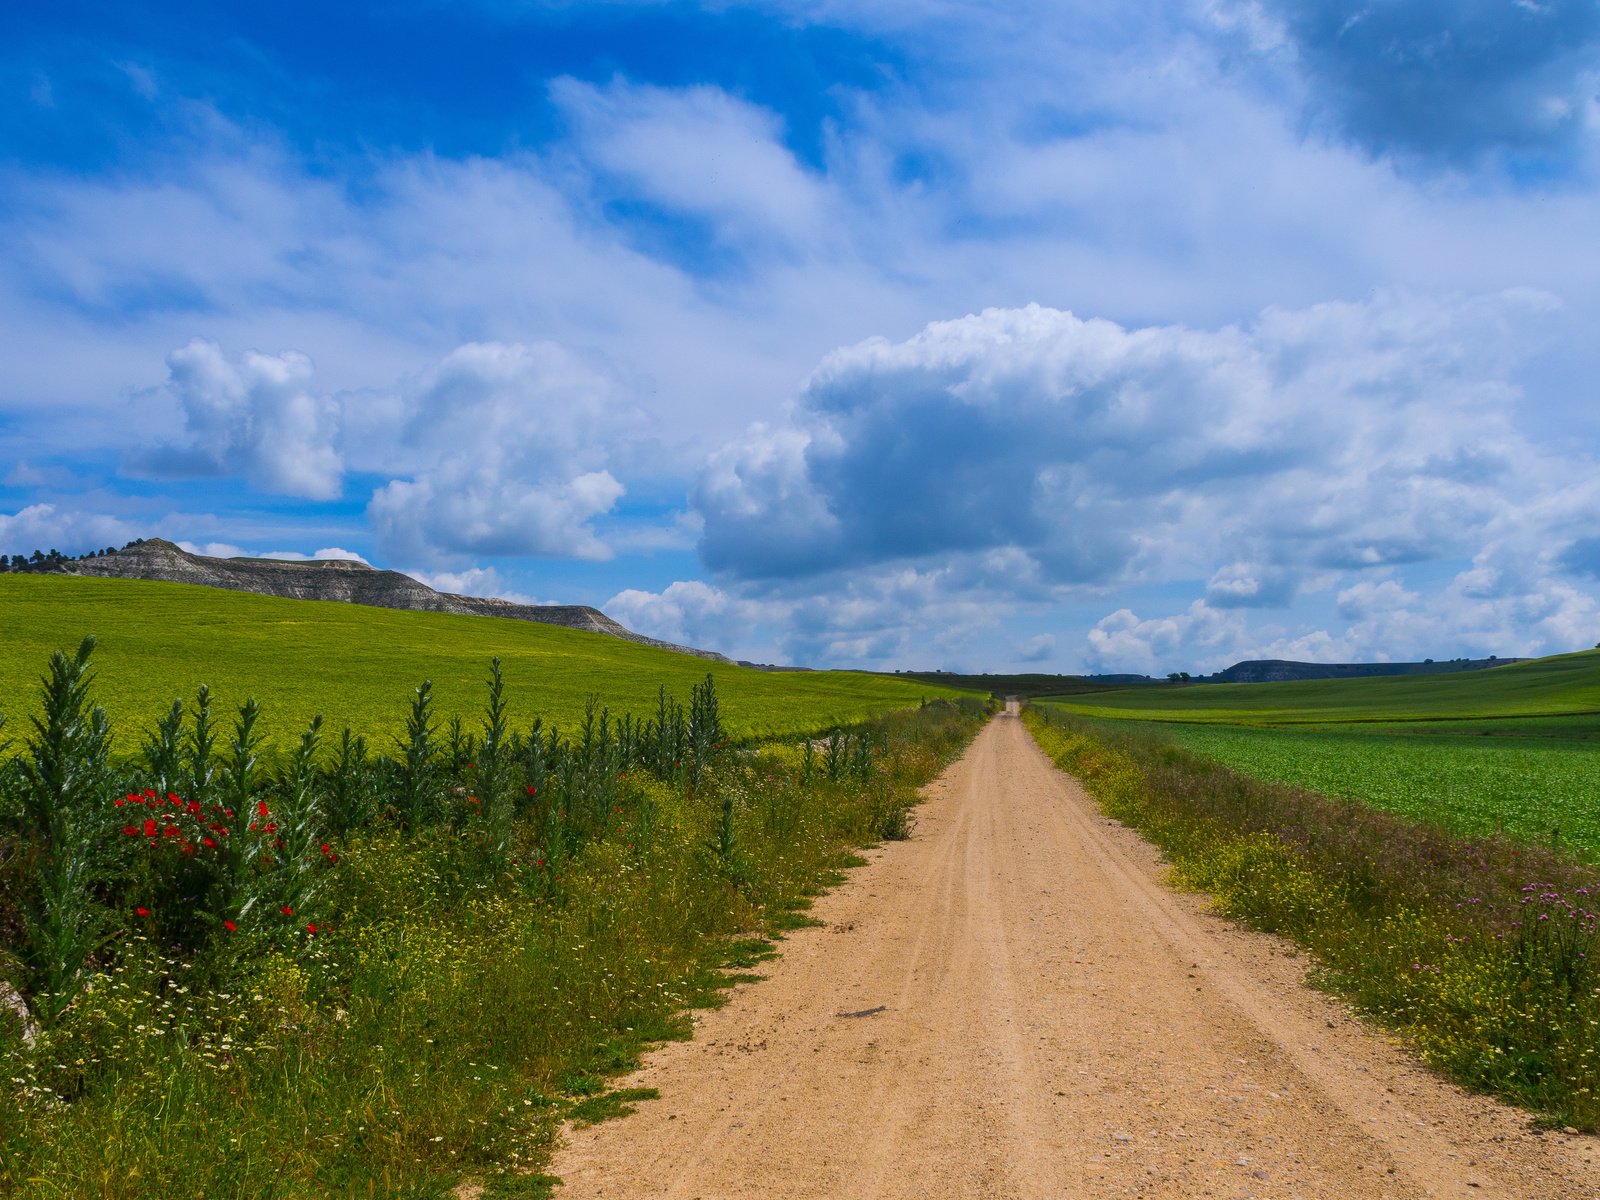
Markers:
point(52, 560)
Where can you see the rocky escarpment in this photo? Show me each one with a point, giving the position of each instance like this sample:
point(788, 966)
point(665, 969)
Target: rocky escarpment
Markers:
point(344, 581)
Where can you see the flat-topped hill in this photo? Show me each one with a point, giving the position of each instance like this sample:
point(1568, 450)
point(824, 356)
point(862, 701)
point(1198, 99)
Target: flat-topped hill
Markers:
point(343, 580)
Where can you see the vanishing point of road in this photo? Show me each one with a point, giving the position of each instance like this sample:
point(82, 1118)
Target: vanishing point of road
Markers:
point(1012, 1004)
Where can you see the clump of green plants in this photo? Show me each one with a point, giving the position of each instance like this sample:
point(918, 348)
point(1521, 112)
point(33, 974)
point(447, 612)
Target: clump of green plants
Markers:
point(1484, 952)
point(353, 968)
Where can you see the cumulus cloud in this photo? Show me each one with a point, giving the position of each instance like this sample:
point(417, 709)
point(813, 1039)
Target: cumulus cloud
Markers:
point(47, 527)
point(886, 618)
point(1345, 436)
point(1449, 77)
point(512, 444)
point(256, 417)
point(1250, 585)
point(690, 613)
point(474, 581)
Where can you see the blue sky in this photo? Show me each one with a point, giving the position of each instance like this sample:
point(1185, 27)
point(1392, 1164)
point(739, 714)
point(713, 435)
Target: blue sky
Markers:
point(1064, 336)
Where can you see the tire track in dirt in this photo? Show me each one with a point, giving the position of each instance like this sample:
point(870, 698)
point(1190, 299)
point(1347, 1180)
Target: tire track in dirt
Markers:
point(1056, 1024)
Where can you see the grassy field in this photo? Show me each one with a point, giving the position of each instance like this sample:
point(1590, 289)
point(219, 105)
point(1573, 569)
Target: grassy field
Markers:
point(1509, 750)
point(1532, 789)
point(358, 665)
point(1565, 686)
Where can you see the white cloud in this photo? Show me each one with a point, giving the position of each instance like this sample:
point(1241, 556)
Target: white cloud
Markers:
point(1340, 437)
point(256, 417)
point(473, 581)
point(690, 613)
point(47, 527)
point(512, 445)
point(697, 150)
point(327, 553)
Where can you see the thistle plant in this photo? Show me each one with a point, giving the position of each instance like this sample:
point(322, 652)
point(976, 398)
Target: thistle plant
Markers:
point(350, 790)
point(418, 791)
point(202, 743)
point(494, 767)
point(164, 751)
point(64, 777)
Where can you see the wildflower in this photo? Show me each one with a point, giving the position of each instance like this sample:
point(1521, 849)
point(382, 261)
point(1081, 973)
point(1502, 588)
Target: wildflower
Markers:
point(209, 842)
point(131, 830)
point(287, 911)
point(230, 926)
point(150, 827)
point(118, 803)
point(142, 911)
point(311, 927)
point(150, 792)
point(532, 790)
point(271, 827)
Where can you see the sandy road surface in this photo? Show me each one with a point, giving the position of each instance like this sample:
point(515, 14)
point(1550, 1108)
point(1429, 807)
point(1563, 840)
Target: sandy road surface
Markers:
point(1054, 1023)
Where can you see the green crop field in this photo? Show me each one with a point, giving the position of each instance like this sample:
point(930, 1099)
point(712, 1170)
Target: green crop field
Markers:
point(1530, 789)
point(1566, 685)
point(358, 665)
point(1512, 749)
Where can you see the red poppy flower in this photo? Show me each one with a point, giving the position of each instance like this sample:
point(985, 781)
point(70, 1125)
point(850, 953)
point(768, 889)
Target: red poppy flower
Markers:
point(326, 849)
point(230, 927)
point(210, 841)
point(261, 809)
point(272, 827)
point(193, 806)
point(142, 911)
point(312, 927)
point(118, 803)
point(532, 790)
point(150, 826)
point(287, 911)
point(151, 792)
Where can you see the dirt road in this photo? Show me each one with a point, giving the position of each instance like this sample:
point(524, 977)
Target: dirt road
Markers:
point(1012, 1005)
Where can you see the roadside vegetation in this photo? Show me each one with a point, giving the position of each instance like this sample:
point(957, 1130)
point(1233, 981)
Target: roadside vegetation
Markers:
point(341, 965)
point(298, 658)
point(1481, 950)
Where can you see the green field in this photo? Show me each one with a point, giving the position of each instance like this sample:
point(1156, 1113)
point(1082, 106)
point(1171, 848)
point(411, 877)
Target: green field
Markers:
point(1512, 749)
point(1565, 686)
point(1531, 789)
point(358, 665)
